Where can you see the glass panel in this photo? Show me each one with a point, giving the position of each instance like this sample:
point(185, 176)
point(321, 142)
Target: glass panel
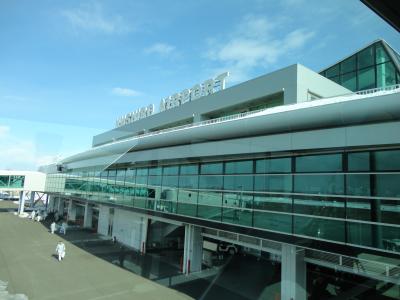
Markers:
point(366, 78)
point(319, 184)
point(366, 57)
point(377, 236)
point(319, 207)
point(189, 182)
point(275, 165)
point(358, 209)
point(211, 182)
point(237, 216)
point(381, 55)
point(387, 160)
point(320, 228)
point(17, 181)
point(240, 183)
point(358, 185)
point(319, 163)
point(349, 81)
point(171, 170)
point(142, 172)
point(189, 170)
point(332, 71)
point(4, 181)
point(211, 168)
point(155, 171)
point(348, 65)
point(358, 161)
point(170, 181)
point(273, 221)
point(239, 167)
point(386, 74)
point(274, 203)
point(273, 183)
point(335, 79)
point(209, 212)
point(387, 185)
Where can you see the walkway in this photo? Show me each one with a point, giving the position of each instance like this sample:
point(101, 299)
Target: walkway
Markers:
point(27, 264)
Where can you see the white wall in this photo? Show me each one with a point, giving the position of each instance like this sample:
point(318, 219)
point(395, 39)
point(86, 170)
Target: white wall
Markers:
point(128, 228)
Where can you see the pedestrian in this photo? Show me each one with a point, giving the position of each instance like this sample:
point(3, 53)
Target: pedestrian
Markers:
point(121, 256)
point(33, 215)
point(63, 228)
point(53, 227)
point(60, 250)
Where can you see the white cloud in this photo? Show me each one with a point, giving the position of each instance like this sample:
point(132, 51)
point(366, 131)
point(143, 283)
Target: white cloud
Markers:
point(256, 42)
point(20, 154)
point(161, 49)
point(125, 92)
point(91, 17)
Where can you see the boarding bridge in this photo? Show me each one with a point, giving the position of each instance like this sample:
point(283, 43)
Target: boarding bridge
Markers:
point(25, 186)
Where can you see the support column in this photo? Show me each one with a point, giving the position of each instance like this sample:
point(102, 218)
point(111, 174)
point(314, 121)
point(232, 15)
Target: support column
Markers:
point(60, 206)
point(32, 199)
point(143, 234)
point(21, 203)
point(71, 211)
point(294, 270)
point(193, 249)
point(88, 215)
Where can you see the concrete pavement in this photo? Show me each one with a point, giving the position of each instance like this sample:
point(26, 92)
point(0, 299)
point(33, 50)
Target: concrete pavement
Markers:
point(28, 265)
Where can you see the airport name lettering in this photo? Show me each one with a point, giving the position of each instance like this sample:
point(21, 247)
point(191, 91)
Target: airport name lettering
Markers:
point(135, 115)
point(208, 87)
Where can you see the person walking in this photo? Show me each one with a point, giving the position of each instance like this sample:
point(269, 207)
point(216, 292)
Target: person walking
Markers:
point(53, 227)
point(63, 228)
point(60, 250)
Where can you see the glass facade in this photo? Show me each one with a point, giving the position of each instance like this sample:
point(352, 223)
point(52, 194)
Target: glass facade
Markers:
point(341, 197)
point(370, 68)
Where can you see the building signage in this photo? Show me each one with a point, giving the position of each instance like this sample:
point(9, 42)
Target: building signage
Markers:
point(208, 87)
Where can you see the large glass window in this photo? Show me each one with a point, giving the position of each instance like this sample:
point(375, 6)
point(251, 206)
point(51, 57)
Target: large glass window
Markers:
point(4, 181)
point(211, 182)
point(349, 81)
point(348, 65)
point(274, 165)
point(171, 170)
point(211, 168)
point(320, 228)
point(329, 207)
point(273, 183)
point(333, 71)
point(238, 183)
point(388, 160)
point(358, 184)
point(239, 167)
point(319, 184)
point(319, 163)
point(366, 57)
point(366, 78)
point(358, 161)
point(381, 55)
point(387, 185)
point(17, 181)
point(189, 170)
point(386, 74)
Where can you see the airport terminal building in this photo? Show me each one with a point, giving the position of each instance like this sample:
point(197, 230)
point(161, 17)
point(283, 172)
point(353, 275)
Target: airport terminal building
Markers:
point(295, 164)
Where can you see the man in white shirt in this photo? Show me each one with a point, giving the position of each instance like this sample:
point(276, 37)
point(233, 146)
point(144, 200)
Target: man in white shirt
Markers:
point(60, 251)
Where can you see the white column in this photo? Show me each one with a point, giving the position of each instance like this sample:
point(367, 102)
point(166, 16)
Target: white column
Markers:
point(294, 270)
point(87, 218)
point(143, 234)
point(21, 203)
point(193, 249)
point(60, 206)
point(71, 211)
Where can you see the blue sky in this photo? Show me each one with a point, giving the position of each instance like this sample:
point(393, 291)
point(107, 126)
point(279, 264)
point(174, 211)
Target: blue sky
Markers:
point(68, 69)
